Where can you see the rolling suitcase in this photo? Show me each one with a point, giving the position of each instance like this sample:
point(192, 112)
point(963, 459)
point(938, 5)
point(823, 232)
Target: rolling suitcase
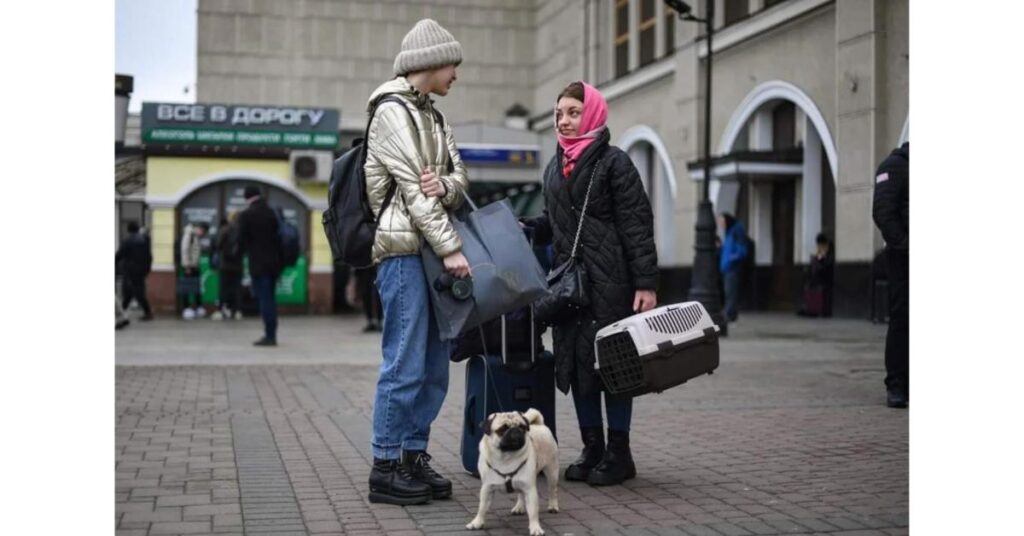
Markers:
point(506, 381)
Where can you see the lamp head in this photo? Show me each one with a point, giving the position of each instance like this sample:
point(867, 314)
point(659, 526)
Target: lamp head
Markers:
point(680, 7)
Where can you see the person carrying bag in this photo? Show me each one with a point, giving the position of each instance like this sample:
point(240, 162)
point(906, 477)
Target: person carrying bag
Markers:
point(615, 248)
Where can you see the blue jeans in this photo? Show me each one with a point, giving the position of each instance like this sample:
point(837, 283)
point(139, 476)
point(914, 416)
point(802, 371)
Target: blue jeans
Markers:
point(263, 286)
point(588, 410)
point(413, 377)
point(731, 282)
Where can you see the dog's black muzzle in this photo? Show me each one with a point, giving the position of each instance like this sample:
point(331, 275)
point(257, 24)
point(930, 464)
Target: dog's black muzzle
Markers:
point(513, 440)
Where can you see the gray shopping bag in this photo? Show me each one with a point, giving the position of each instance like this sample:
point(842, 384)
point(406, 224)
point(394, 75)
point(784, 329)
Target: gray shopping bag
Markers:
point(506, 274)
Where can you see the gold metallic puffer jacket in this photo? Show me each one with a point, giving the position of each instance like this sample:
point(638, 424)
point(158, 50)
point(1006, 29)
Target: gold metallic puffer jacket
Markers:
point(398, 151)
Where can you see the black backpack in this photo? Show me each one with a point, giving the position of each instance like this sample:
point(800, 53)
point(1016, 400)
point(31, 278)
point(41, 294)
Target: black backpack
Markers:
point(349, 223)
point(288, 236)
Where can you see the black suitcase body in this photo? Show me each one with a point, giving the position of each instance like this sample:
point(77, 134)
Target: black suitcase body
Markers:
point(506, 381)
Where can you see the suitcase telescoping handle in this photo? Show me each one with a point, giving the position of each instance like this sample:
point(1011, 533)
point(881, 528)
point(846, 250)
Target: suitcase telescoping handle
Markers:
point(533, 340)
point(533, 325)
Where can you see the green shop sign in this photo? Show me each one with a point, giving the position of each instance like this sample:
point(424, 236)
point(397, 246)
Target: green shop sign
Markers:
point(291, 289)
point(223, 124)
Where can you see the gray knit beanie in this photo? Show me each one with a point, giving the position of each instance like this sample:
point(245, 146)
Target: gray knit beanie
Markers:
point(426, 46)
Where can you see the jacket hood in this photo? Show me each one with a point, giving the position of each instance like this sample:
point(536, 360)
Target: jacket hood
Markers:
point(903, 151)
point(398, 86)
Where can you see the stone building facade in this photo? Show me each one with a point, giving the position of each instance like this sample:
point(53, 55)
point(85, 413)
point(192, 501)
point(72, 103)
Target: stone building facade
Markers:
point(807, 97)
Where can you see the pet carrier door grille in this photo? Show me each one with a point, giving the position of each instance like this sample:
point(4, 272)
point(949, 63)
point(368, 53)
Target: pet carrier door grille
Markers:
point(676, 320)
point(621, 368)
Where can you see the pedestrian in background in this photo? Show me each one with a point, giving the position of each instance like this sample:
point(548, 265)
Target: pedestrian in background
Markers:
point(616, 246)
point(817, 299)
point(731, 260)
point(190, 283)
point(409, 149)
point(230, 266)
point(891, 212)
point(136, 260)
point(370, 299)
point(258, 239)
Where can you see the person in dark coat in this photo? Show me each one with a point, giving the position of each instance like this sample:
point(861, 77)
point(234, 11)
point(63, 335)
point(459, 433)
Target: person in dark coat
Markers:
point(257, 238)
point(820, 278)
point(617, 248)
point(891, 212)
point(136, 261)
point(230, 267)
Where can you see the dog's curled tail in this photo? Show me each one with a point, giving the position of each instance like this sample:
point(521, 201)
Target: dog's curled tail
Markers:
point(533, 416)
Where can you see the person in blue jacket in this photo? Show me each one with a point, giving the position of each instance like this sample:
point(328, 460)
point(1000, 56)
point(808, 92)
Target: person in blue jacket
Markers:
point(730, 263)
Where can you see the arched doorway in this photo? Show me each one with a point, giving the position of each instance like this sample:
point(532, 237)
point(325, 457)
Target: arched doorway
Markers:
point(215, 201)
point(780, 182)
point(649, 155)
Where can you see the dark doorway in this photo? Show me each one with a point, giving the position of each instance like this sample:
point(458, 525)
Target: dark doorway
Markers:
point(783, 218)
point(220, 200)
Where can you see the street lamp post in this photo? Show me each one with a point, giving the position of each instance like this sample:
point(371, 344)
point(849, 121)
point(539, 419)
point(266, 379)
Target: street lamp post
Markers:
point(704, 283)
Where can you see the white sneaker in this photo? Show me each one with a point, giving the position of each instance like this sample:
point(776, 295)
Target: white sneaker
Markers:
point(217, 315)
point(238, 315)
point(188, 313)
point(200, 312)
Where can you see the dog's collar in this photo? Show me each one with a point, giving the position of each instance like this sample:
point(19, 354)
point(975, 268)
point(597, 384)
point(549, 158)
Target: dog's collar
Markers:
point(508, 476)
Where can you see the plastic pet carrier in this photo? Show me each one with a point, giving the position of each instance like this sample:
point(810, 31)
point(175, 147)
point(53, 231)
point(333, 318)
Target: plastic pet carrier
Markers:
point(653, 351)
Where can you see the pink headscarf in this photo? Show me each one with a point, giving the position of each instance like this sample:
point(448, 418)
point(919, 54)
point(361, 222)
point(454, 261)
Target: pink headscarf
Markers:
point(592, 123)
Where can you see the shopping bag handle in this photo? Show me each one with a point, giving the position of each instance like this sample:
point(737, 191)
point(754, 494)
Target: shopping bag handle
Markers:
point(468, 200)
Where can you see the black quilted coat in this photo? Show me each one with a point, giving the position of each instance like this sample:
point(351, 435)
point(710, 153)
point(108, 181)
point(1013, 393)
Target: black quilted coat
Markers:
point(616, 245)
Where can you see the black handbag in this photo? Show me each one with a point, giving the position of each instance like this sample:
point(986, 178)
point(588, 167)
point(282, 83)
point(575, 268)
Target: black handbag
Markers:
point(568, 283)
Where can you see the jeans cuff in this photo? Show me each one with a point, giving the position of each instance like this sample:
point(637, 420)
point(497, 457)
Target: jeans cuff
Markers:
point(387, 453)
point(415, 444)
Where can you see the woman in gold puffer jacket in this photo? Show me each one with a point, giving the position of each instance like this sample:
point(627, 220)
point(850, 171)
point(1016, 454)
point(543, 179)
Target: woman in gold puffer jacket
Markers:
point(399, 153)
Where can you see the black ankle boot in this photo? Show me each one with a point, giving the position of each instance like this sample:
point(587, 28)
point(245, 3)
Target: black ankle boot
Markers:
point(391, 482)
point(417, 461)
point(593, 450)
point(617, 464)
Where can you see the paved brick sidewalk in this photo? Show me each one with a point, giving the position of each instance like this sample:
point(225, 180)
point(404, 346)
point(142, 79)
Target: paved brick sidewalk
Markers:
point(790, 436)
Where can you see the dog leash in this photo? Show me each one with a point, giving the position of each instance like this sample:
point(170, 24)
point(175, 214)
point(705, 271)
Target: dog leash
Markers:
point(508, 476)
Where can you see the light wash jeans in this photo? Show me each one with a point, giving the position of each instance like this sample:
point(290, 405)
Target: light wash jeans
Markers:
point(414, 373)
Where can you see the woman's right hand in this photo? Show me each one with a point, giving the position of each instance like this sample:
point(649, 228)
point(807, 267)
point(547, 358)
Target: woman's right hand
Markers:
point(457, 265)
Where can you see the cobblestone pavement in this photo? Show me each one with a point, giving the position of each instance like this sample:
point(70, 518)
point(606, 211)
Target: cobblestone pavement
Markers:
point(789, 436)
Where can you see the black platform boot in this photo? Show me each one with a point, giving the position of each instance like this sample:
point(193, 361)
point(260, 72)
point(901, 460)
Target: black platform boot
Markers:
point(617, 464)
point(391, 482)
point(417, 461)
point(593, 451)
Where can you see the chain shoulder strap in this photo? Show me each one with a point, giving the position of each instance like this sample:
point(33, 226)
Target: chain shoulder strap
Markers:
point(583, 213)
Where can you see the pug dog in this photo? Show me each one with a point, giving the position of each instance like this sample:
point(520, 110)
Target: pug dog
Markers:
point(515, 448)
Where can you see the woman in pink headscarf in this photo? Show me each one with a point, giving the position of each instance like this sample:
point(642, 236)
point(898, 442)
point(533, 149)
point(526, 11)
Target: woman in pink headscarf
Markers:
point(616, 246)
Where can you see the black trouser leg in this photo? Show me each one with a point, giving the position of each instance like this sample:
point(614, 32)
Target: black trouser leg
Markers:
point(138, 284)
point(230, 290)
point(371, 298)
point(897, 341)
point(126, 292)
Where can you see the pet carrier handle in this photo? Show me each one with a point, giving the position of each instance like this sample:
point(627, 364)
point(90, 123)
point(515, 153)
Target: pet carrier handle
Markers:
point(583, 213)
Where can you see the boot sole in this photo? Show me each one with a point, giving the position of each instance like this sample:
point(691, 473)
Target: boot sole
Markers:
point(577, 474)
point(600, 480)
point(438, 495)
point(384, 498)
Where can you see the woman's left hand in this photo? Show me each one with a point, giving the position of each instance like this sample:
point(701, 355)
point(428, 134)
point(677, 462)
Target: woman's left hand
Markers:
point(645, 300)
